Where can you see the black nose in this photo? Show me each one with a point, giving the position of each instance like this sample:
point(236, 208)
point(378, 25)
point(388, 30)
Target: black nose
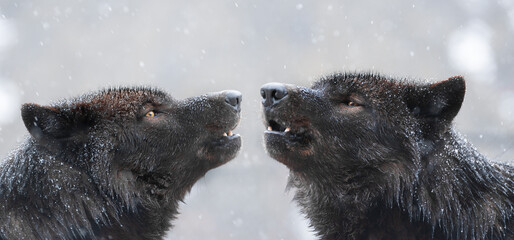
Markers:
point(272, 93)
point(234, 98)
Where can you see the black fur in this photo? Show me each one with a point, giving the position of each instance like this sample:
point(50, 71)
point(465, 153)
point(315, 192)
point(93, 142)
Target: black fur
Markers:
point(96, 167)
point(377, 158)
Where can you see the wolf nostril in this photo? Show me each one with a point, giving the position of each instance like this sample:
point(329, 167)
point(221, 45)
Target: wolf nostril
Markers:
point(233, 98)
point(272, 93)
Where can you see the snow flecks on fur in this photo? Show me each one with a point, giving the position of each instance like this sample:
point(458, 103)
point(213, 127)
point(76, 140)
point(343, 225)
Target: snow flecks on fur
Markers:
point(393, 168)
point(95, 168)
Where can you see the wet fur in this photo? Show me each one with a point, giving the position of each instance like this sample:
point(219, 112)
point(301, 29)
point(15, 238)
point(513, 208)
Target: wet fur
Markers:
point(95, 168)
point(393, 169)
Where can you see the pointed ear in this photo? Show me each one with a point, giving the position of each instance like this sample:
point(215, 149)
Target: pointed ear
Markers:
point(437, 104)
point(45, 122)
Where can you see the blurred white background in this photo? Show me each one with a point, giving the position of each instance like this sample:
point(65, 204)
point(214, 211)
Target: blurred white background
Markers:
point(56, 49)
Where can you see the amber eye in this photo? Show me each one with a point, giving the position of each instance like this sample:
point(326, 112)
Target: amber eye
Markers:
point(352, 104)
point(150, 114)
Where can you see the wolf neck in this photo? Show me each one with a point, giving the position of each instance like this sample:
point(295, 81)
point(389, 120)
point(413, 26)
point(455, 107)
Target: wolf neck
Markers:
point(335, 213)
point(91, 212)
point(440, 196)
point(461, 191)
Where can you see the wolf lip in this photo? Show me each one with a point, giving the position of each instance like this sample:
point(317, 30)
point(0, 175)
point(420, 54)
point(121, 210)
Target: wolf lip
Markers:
point(227, 138)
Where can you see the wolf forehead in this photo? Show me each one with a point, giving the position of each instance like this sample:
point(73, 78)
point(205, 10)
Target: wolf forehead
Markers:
point(123, 100)
point(379, 90)
point(370, 84)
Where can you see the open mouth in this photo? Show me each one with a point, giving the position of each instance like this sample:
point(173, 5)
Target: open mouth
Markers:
point(275, 126)
point(220, 147)
point(282, 127)
point(222, 139)
point(222, 132)
point(289, 142)
point(226, 138)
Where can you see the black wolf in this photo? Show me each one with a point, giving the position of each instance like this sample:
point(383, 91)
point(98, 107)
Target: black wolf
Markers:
point(377, 158)
point(113, 164)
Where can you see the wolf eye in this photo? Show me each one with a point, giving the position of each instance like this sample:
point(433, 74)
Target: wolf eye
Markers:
point(150, 114)
point(351, 103)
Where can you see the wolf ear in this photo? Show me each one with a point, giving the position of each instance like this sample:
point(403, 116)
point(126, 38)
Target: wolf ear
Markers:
point(437, 104)
point(46, 122)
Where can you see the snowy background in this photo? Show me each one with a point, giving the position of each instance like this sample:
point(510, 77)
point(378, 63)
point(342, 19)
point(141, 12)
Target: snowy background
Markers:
point(55, 49)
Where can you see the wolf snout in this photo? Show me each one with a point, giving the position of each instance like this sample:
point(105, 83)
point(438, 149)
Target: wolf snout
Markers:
point(272, 93)
point(233, 98)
